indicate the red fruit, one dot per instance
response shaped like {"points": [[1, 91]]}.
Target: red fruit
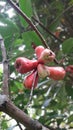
{"points": [[39, 50], [31, 80], [69, 68], [46, 56], [24, 65], [55, 73]]}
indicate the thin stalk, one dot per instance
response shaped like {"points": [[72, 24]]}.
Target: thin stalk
{"points": [[19, 11]]}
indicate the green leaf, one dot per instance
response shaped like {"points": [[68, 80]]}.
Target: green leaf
{"points": [[26, 7], [71, 2], [70, 119], [54, 25], [18, 42], [7, 27], [59, 8], [4, 124], [30, 37], [67, 45], [69, 89]]}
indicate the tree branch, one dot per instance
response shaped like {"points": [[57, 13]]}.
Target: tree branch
{"points": [[5, 89], [9, 108], [19, 126], [64, 11], [46, 29], [27, 20]]}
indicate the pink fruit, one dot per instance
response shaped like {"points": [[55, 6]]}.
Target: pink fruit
{"points": [[24, 65], [39, 50], [55, 73], [46, 56], [31, 80]]}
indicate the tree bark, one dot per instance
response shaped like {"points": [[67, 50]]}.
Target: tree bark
{"points": [[5, 88], [9, 108]]}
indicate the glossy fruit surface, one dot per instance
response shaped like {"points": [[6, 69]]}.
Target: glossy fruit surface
{"points": [[56, 73], [46, 56], [31, 80], [24, 65], [39, 50]]}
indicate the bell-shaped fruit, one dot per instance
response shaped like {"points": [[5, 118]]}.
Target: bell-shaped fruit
{"points": [[31, 80], [39, 50], [46, 56], [55, 73], [24, 65]]}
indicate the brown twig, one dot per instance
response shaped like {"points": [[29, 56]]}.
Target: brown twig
{"points": [[19, 126], [9, 108], [62, 14], [47, 30], [28, 21], [5, 89]]}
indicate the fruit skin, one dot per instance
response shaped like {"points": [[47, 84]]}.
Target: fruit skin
{"points": [[55, 73], [46, 56], [24, 65], [42, 71], [31, 80], [69, 69], [39, 50]]}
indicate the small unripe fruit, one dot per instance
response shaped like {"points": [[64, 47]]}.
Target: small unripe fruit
{"points": [[24, 65], [31, 80], [46, 56], [39, 50]]}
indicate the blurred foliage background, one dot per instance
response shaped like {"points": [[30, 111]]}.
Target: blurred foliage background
{"points": [[52, 102]]}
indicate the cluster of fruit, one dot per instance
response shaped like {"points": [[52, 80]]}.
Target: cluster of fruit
{"points": [[38, 68]]}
